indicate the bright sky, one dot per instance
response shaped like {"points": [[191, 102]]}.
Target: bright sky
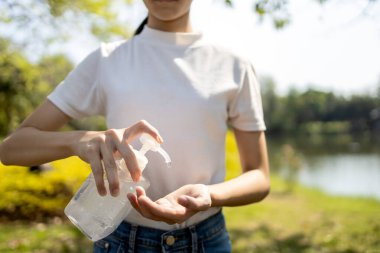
{"points": [[329, 47]]}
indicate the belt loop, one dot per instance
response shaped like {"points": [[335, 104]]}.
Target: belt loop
{"points": [[194, 239], [132, 238]]}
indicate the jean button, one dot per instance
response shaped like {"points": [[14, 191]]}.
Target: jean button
{"points": [[170, 240]]}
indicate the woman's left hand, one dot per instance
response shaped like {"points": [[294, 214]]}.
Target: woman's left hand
{"points": [[175, 207]]}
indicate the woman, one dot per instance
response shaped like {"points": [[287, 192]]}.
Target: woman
{"points": [[190, 90]]}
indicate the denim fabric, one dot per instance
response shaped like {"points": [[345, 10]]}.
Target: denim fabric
{"points": [[207, 236]]}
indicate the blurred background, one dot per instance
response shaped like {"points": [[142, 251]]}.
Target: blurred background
{"points": [[318, 62]]}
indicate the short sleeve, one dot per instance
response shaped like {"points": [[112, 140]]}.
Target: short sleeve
{"points": [[245, 109], [79, 94]]}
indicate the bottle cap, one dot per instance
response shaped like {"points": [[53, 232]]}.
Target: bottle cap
{"points": [[149, 143]]}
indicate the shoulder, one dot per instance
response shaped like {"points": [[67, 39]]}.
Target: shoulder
{"points": [[106, 53], [223, 52], [107, 49]]}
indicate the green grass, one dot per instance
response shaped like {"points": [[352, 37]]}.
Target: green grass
{"points": [[307, 221], [42, 237], [301, 220]]}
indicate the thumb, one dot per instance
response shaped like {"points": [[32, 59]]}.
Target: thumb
{"points": [[194, 203]]}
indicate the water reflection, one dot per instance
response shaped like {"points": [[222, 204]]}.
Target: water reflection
{"points": [[345, 174], [339, 165]]}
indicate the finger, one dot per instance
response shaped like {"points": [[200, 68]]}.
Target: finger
{"points": [[196, 204], [144, 211], [130, 160], [140, 191], [133, 200], [141, 127], [110, 168], [97, 171], [113, 138]]}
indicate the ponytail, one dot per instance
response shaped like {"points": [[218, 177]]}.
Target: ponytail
{"points": [[141, 26]]}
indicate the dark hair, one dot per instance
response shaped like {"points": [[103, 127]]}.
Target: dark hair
{"points": [[141, 26]]}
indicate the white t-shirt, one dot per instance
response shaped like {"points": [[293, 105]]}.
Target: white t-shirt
{"points": [[186, 87]]}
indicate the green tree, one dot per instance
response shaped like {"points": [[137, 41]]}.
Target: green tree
{"points": [[17, 77], [53, 69], [23, 85], [277, 10], [272, 104], [49, 21]]}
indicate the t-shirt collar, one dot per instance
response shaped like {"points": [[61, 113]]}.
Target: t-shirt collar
{"points": [[170, 38]]}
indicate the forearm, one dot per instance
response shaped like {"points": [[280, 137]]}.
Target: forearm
{"points": [[250, 187], [29, 146]]}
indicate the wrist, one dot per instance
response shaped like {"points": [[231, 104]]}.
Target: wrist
{"points": [[214, 196], [73, 141]]}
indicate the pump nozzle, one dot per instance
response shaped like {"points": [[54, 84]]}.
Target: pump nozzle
{"points": [[166, 156], [149, 143]]}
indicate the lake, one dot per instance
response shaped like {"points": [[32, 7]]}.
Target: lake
{"points": [[338, 165]]}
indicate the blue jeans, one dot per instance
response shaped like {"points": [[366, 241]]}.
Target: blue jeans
{"points": [[209, 235]]}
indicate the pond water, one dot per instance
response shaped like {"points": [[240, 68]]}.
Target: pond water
{"points": [[337, 165], [343, 174]]}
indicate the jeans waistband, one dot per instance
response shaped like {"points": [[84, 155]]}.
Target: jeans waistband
{"points": [[204, 228], [135, 235]]}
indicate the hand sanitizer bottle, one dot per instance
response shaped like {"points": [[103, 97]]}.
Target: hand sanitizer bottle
{"points": [[97, 216]]}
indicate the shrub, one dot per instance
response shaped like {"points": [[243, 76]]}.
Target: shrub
{"points": [[332, 127], [38, 196]]}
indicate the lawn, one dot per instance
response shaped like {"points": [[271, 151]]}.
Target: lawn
{"points": [[288, 221], [306, 221]]}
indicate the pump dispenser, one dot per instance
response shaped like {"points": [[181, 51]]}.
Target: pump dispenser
{"points": [[97, 216], [151, 144]]}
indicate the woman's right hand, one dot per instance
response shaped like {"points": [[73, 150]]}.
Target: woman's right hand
{"points": [[98, 147]]}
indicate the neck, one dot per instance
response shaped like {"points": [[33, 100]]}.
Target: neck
{"points": [[181, 24]]}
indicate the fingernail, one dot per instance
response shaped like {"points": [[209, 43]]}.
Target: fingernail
{"points": [[136, 177], [102, 192], [115, 192], [159, 138]]}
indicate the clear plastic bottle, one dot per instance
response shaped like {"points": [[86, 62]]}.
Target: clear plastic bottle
{"points": [[98, 216]]}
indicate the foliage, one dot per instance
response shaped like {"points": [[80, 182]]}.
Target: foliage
{"points": [[291, 164], [23, 85], [59, 18], [277, 10], [53, 69], [326, 128], [94, 123], [316, 112], [39, 196], [17, 79]]}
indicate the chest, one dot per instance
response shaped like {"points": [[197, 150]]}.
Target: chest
{"points": [[158, 86]]}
